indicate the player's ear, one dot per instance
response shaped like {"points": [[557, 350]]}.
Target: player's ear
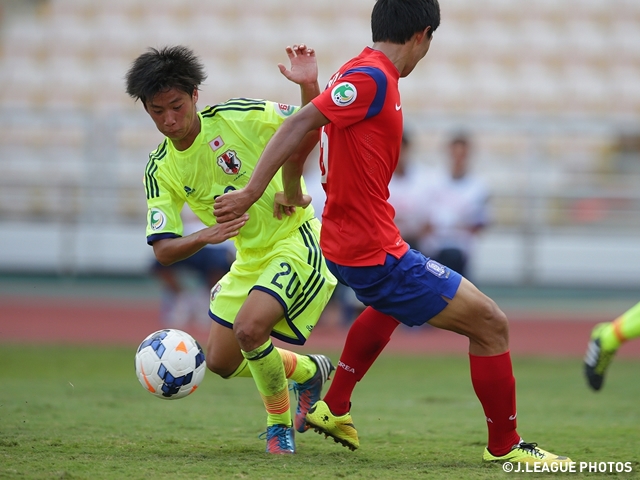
{"points": [[194, 95], [423, 35]]}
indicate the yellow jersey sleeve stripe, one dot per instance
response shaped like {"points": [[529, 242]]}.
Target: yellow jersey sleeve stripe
{"points": [[237, 104], [150, 182]]}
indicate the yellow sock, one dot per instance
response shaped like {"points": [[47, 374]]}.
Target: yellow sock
{"points": [[623, 328], [243, 370], [267, 370], [298, 368]]}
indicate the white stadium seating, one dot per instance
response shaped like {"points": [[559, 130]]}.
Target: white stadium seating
{"points": [[545, 86]]}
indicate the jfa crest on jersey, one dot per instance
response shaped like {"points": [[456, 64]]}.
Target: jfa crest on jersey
{"points": [[229, 162]]}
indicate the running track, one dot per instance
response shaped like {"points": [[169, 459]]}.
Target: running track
{"points": [[126, 322]]}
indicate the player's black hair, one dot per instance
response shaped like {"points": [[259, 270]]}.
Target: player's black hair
{"points": [[157, 71], [396, 21]]}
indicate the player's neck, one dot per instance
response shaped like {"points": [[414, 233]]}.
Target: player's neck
{"points": [[185, 142], [396, 53]]}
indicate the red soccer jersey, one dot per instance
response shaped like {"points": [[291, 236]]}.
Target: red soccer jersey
{"points": [[359, 151]]}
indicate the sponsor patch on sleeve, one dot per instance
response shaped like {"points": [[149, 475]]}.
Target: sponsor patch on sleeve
{"points": [[285, 110], [157, 219], [344, 94]]}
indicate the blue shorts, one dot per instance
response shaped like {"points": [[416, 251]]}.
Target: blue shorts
{"points": [[203, 262], [410, 288]]}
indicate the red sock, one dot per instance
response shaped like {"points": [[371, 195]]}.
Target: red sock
{"points": [[495, 386], [367, 337]]}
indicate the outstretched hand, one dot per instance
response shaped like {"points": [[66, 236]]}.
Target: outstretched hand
{"points": [[304, 66]]}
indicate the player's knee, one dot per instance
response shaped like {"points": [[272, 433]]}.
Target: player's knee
{"points": [[495, 326], [498, 319], [247, 334]]}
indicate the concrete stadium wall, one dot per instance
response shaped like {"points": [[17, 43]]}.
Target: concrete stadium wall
{"points": [[501, 257]]}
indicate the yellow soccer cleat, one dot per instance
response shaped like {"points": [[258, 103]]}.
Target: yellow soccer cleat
{"points": [[526, 453], [341, 428]]}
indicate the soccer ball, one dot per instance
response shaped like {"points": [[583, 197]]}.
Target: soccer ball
{"points": [[170, 364]]}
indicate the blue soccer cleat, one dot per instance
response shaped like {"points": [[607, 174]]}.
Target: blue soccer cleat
{"points": [[309, 392], [279, 440]]}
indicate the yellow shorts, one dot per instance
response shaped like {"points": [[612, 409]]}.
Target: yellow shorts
{"points": [[293, 271]]}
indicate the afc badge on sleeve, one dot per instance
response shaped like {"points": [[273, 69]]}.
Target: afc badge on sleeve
{"points": [[157, 219]]}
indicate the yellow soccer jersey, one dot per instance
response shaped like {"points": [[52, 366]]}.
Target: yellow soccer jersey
{"points": [[222, 158]]}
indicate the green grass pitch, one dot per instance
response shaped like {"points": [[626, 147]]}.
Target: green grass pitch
{"points": [[80, 413]]}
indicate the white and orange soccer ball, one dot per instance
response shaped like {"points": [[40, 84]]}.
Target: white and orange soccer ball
{"points": [[170, 364]]}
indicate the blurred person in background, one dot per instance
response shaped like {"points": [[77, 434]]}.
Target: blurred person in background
{"points": [[279, 283], [605, 340], [455, 210], [182, 301], [361, 122], [408, 190]]}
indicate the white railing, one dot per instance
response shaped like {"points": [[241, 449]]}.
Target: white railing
{"points": [[71, 198]]}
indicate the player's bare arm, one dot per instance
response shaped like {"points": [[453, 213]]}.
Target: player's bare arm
{"points": [[172, 250], [281, 146], [286, 202], [303, 71]]}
